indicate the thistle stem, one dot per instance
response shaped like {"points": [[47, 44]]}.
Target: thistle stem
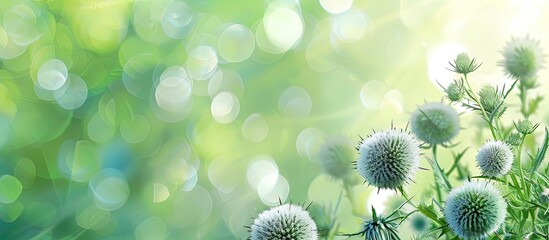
{"points": [[484, 114], [519, 163], [351, 196], [523, 100], [437, 186]]}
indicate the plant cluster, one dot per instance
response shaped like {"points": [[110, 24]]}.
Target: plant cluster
{"points": [[508, 200]]}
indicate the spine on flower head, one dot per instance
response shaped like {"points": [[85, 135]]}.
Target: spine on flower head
{"points": [[286, 221], [388, 159], [495, 158], [475, 210]]}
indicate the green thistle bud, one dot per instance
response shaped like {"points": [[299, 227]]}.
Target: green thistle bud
{"points": [[514, 139], [464, 64], [455, 91], [284, 222], [379, 227], [435, 123], [388, 159], [489, 98], [544, 196], [525, 127], [495, 159], [475, 210], [336, 155], [522, 58]]}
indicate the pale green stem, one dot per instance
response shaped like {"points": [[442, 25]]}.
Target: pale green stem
{"points": [[484, 114], [351, 196]]}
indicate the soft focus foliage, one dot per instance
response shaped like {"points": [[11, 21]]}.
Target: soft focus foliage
{"points": [[177, 119]]}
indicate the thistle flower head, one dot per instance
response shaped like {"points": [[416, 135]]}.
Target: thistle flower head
{"points": [[544, 196], [464, 64], [388, 159], [514, 139], [435, 123], [475, 210], [525, 126], [455, 91], [495, 158], [287, 221], [489, 98], [379, 229], [336, 155], [522, 58]]}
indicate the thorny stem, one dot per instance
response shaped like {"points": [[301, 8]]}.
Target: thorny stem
{"points": [[437, 186], [484, 114]]}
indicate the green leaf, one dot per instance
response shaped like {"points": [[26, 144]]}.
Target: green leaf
{"points": [[374, 215], [440, 175], [534, 104], [428, 211], [541, 152]]}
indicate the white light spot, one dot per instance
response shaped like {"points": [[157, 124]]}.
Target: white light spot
{"points": [[438, 58], [52, 74], [72, 94], [225, 107], [295, 102], [160, 193], [255, 128], [174, 90], [350, 26], [336, 6], [372, 94], [283, 26], [275, 194], [177, 20], [109, 189], [236, 43], [261, 167], [220, 176], [202, 62]]}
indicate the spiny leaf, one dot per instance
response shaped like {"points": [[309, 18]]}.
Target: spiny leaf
{"points": [[440, 175], [541, 152]]}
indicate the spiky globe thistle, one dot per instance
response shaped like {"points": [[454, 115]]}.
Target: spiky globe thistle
{"points": [[286, 221], [522, 58], [489, 98], [455, 91], [388, 159], [495, 158], [464, 64], [544, 196], [475, 210], [435, 123], [336, 155]]}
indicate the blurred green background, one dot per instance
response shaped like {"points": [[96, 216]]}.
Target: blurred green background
{"points": [[163, 119]]}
